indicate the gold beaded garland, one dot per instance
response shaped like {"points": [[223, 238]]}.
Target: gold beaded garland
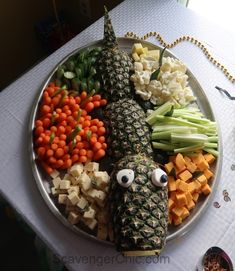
{"points": [[185, 38]]}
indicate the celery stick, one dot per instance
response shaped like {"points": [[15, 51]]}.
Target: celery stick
{"points": [[174, 128], [161, 135], [162, 110], [195, 119], [189, 138], [189, 149], [162, 146], [213, 139], [179, 122], [212, 151], [211, 145]]}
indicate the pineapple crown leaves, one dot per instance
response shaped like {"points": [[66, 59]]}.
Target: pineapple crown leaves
{"points": [[110, 40]]}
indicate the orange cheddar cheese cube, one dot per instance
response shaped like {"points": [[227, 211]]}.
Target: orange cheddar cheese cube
{"points": [[191, 167], [190, 205], [197, 185], [185, 213], [202, 179], [210, 158], [171, 183], [198, 158], [182, 186], [195, 196], [178, 211], [173, 195], [168, 167], [180, 162], [185, 175], [209, 174], [181, 199], [177, 182], [187, 159], [188, 196], [177, 220], [191, 187], [203, 165], [171, 203], [206, 189]]}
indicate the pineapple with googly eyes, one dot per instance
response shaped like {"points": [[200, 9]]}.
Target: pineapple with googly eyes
{"points": [[138, 187], [138, 205]]}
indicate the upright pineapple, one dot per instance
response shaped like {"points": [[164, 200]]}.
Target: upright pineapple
{"points": [[114, 65], [138, 190]]}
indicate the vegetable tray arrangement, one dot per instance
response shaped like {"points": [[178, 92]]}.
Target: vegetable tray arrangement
{"points": [[124, 145]]}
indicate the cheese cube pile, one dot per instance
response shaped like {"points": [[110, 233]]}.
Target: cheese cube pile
{"points": [[83, 191], [188, 178], [171, 84]]}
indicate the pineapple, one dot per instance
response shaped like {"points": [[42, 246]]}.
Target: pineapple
{"points": [[127, 131], [138, 192], [139, 212], [114, 65]]}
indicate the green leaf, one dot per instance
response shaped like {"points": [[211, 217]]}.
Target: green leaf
{"points": [[155, 74]]}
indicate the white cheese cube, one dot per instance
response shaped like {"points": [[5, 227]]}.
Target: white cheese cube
{"points": [[54, 191], [91, 166], [62, 199], [136, 57], [100, 197], [90, 213], [153, 53], [138, 66], [102, 232], [82, 203], [92, 193], [74, 180], [65, 184], [73, 198], [91, 223], [73, 218], [66, 176], [76, 170], [54, 174], [74, 189], [85, 181], [102, 179], [137, 48], [56, 182]]}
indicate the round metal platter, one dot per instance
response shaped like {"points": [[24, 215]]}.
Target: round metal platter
{"points": [[43, 180]]}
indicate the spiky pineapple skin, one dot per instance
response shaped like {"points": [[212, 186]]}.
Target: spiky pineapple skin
{"points": [[139, 212], [114, 66], [127, 131]]}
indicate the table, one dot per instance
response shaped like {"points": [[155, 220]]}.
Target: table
{"points": [[17, 185]]}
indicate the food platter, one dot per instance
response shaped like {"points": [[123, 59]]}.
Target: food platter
{"points": [[42, 179]]}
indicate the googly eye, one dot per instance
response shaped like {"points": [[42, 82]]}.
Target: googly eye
{"points": [[125, 177], [159, 177]]}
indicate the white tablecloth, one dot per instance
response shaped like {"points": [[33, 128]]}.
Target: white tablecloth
{"points": [[17, 185]]}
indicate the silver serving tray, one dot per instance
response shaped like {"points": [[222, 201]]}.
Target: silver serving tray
{"points": [[42, 179]]}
